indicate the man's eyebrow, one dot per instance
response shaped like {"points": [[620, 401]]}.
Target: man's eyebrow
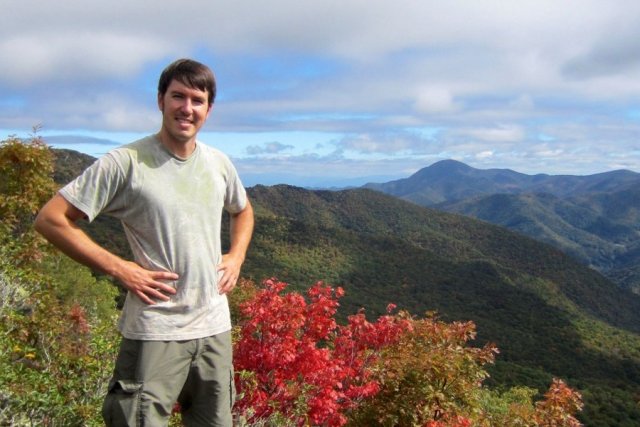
{"points": [[184, 93]]}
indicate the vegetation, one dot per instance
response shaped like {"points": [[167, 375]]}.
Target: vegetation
{"points": [[26, 184], [57, 335], [599, 230], [549, 316]]}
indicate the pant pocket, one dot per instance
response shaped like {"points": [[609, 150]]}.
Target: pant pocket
{"points": [[232, 388], [122, 404]]}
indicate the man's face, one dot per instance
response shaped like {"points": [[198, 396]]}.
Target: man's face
{"points": [[184, 111]]}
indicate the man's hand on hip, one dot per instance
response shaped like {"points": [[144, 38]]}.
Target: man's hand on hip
{"points": [[228, 273], [146, 284]]}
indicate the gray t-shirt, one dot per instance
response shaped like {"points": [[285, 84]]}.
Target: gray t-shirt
{"points": [[171, 211]]}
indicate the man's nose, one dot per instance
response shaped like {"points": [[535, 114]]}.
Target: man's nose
{"points": [[186, 105]]}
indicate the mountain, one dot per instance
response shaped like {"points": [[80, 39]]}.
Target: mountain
{"points": [[451, 180], [594, 218], [548, 314], [69, 163]]}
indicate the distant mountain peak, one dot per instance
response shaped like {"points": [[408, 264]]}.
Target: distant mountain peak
{"points": [[443, 167], [450, 163], [451, 180]]}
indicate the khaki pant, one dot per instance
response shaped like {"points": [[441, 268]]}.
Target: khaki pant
{"points": [[151, 376]]}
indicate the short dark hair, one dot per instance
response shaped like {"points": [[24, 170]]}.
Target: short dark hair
{"points": [[191, 73]]}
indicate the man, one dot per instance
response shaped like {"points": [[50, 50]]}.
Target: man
{"points": [[169, 191]]}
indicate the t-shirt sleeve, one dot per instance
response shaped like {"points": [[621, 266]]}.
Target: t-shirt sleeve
{"points": [[97, 189], [236, 195]]}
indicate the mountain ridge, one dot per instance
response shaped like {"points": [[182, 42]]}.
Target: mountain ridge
{"points": [[447, 179], [593, 217]]}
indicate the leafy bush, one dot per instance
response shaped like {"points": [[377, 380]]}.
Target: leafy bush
{"points": [[26, 169], [430, 374], [297, 364], [57, 329]]}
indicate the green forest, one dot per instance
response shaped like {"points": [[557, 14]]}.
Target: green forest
{"points": [[551, 318]]}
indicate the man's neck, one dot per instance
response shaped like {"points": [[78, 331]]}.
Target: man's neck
{"points": [[180, 149]]}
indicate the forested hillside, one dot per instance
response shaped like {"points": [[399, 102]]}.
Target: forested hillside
{"points": [[548, 314], [601, 230]]}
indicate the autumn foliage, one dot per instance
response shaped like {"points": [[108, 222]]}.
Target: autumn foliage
{"points": [[297, 366], [559, 406], [57, 321], [26, 184], [302, 364], [431, 376]]}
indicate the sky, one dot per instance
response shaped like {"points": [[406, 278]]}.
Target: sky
{"points": [[336, 93]]}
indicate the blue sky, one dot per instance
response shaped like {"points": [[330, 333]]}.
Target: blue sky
{"points": [[339, 93]]}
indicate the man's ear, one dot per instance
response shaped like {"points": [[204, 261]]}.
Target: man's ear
{"points": [[160, 102]]}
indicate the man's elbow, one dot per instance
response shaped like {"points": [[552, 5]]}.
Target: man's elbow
{"points": [[54, 214], [41, 222]]}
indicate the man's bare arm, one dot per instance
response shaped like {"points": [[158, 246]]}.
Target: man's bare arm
{"points": [[241, 229], [56, 221]]}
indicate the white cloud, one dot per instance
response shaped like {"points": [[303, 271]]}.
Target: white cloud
{"points": [[523, 102], [389, 143], [498, 134], [484, 154], [76, 57], [434, 100], [268, 148], [121, 118]]}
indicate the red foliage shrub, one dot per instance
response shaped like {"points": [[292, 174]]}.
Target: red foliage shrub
{"points": [[304, 365]]}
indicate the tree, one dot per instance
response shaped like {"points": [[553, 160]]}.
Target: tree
{"points": [[26, 168]]}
